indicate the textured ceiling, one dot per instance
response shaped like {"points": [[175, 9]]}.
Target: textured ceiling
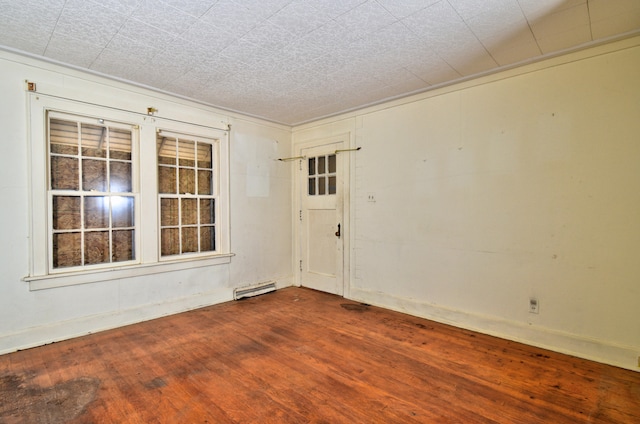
{"points": [[293, 61]]}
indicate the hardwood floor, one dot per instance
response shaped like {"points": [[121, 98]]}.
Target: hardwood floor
{"points": [[301, 356]]}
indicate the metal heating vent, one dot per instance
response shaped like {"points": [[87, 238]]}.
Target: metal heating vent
{"points": [[254, 290]]}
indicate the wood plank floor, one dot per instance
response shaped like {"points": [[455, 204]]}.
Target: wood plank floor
{"points": [[301, 356]]}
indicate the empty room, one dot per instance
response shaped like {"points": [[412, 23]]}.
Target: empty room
{"points": [[322, 211]]}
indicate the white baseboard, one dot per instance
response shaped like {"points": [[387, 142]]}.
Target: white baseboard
{"points": [[55, 332], [571, 344]]}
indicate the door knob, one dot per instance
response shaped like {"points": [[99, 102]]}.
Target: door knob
{"points": [[338, 232]]}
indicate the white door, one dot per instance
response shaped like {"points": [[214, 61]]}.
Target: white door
{"points": [[321, 227]]}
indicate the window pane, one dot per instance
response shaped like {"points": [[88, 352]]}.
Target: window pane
{"points": [[189, 239], [322, 165], [96, 247], [332, 164], [94, 175], [96, 212], [94, 141], [312, 166], [123, 245], [204, 155], [120, 173], [186, 152], [63, 137], [122, 211], [189, 211], [170, 241], [168, 212], [204, 182], [66, 250], [322, 185], [66, 213], [187, 180], [64, 173], [166, 150], [119, 144], [167, 179], [207, 211], [332, 185], [312, 186], [207, 239]]}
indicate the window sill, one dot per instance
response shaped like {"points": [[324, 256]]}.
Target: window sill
{"points": [[84, 277]]}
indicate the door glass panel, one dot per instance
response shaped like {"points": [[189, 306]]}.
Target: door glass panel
{"points": [[322, 185], [321, 165], [312, 186], [312, 166], [332, 164], [332, 185]]}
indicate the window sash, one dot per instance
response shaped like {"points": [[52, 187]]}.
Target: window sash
{"points": [[184, 161], [86, 233]]}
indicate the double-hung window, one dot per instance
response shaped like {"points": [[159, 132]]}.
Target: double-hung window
{"points": [[187, 193], [92, 198], [117, 194]]}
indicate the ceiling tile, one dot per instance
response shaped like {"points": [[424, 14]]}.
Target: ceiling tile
{"points": [[612, 17], [245, 51], [88, 21], [366, 19], [495, 9], [299, 18], [562, 29], [233, 18], [70, 50], [195, 8], [334, 8], [512, 46], [145, 34], [213, 37], [537, 9], [402, 9], [434, 70], [263, 8], [31, 18], [564, 40], [162, 16], [125, 7], [117, 63], [269, 36]]}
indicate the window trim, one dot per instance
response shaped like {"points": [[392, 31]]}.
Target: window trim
{"points": [[147, 261]]}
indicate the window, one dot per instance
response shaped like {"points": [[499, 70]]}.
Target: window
{"points": [[91, 191], [322, 175], [117, 194], [187, 194]]}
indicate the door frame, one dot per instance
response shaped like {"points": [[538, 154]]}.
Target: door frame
{"points": [[346, 232]]}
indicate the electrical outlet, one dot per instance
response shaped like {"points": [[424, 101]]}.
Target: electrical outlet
{"points": [[534, 306], [371, 197]]}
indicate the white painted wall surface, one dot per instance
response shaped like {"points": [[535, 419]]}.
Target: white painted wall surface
{"points": [[260, 216], [516, 185]]}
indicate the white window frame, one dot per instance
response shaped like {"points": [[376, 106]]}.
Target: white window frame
{"points": [[215, 151], [135, 140], [147, 261]]}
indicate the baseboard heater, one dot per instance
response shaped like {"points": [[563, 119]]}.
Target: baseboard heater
{"points": [[255, 290]]}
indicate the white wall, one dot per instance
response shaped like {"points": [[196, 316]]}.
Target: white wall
{"points": [[521, 184], [260, 216]]}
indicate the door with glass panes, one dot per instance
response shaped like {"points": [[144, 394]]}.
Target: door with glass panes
{"points": [[321, 227]]}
